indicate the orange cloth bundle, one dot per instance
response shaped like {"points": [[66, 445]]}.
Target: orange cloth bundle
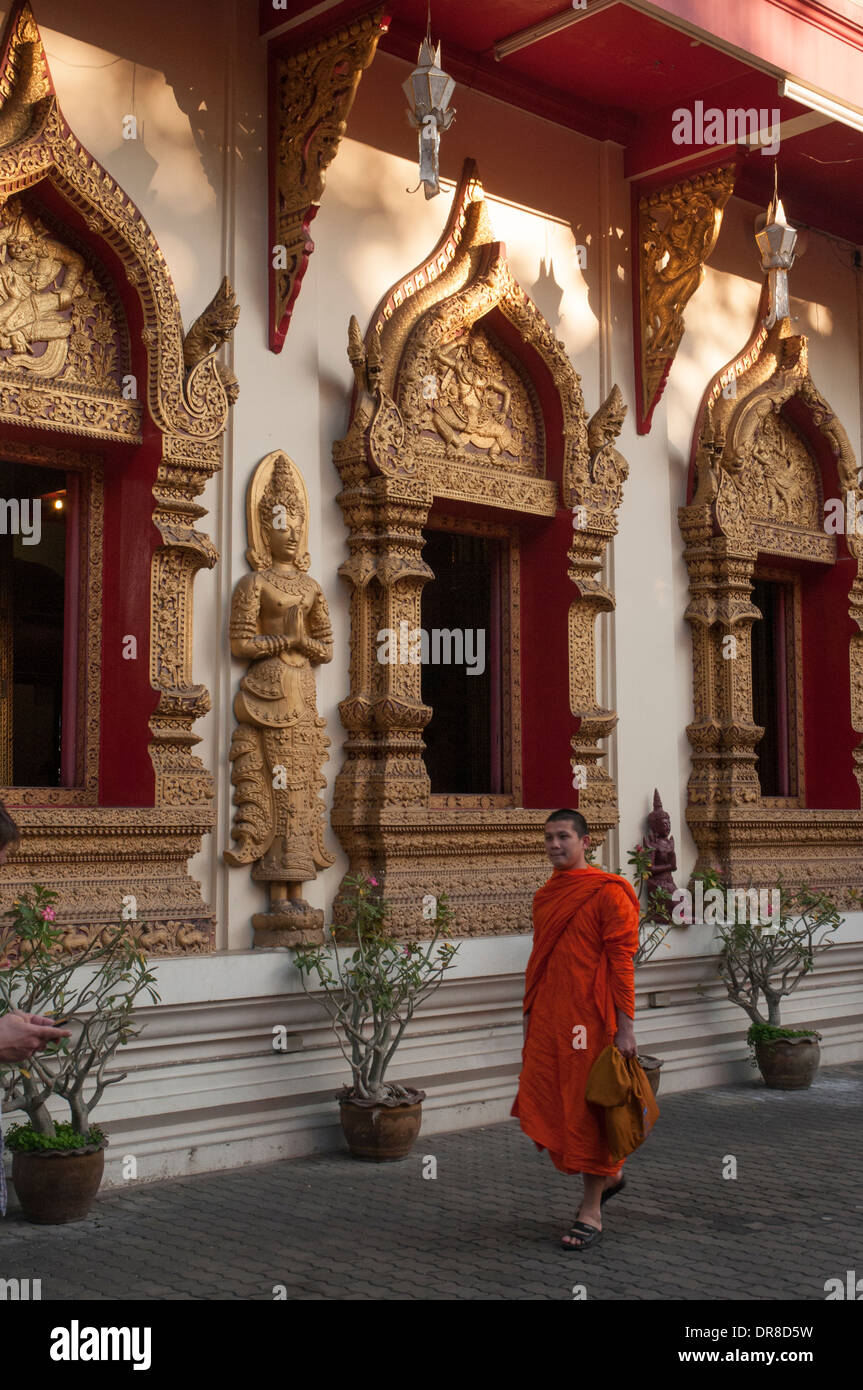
{"points": [[619, 1085]]}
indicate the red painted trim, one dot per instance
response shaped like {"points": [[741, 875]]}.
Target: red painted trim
{"points": [[314, 27], [69, 760], [126, 775], [827, 631], [547, 725]]}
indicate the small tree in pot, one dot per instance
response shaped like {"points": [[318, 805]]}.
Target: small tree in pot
{"points": [[768, 961], [93, 991], [371, 999]]}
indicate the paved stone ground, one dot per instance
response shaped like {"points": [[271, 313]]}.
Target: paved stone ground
{"points": [[488, 1226]]}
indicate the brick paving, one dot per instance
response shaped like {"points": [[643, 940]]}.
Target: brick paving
{"points": [[488, 1226]]}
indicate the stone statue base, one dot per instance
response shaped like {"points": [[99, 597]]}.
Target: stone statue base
{"points": [[295, 925]]}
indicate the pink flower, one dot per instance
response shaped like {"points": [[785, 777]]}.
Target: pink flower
{"points": [[373, 882], [48, 914]]}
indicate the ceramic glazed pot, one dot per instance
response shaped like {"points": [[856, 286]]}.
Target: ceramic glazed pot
{"points": [[651, 1066], [57, 1187], [788, 1064], [380, 1133]]}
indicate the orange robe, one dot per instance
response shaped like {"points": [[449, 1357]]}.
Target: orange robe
{"points": [[580, 972]]}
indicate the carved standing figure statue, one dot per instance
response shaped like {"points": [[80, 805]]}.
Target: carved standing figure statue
{"points": [[280, 624], [660, 842]]}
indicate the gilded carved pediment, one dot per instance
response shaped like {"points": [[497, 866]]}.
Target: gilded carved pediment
{"points": [[64, 343], [761, 425], [443, 392], [462, 398]]}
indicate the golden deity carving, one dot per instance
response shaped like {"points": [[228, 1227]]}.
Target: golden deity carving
{"points": [[39, 281], [466, 401], [781, 474], [472, 407], [280, 624]]}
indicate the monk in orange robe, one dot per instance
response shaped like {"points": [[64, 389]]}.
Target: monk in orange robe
{"points": [[579, 998]]}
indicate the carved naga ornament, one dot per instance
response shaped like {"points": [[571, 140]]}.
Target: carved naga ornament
{"points": [[677, 230], [313, 89], [447, 410], [280, 624]]}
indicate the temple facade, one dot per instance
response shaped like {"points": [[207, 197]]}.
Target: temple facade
{"points": [[370, 491]]}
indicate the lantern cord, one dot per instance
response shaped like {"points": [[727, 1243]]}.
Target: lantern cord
{"points": [[428, 24]]}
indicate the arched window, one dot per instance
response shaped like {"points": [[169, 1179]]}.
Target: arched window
{"points": [[776, 611], [467, 453]]}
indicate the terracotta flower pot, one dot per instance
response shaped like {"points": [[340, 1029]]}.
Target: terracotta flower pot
{"points": [[56, 1187], [788, 1064], [380, 1133], [651, 1066]]}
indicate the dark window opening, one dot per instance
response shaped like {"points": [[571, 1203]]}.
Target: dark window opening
{"points": [[461, 679], [34, 595], [773, 686]]}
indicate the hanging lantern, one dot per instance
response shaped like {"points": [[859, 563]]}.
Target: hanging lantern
{"points": [[429, 89], [776, 240]]}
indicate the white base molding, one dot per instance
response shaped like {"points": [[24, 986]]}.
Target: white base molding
{"points": [[206, 1091]]}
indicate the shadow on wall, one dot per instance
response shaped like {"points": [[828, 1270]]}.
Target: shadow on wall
{"points": [[188, 44]]}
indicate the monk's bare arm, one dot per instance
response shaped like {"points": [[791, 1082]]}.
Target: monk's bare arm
{"points": [[620, 942], [624, 1038], [524, 1022]]}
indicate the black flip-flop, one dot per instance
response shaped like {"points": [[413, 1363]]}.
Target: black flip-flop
{"points": [[580, 1228], [612, 1192]]}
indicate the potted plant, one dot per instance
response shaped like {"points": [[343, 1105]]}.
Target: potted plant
{"points": [[371, 999], [57, 1167], [770, 960]]}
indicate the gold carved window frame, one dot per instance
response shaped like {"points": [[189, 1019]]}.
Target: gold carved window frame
{"points": [[488, 858], [510, 640], [794, 676], [89, 654], [87, 851], [745, 837]]}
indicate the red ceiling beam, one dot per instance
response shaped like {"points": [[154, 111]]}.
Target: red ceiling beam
{"points": [[816, 42], [483, 74]]}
